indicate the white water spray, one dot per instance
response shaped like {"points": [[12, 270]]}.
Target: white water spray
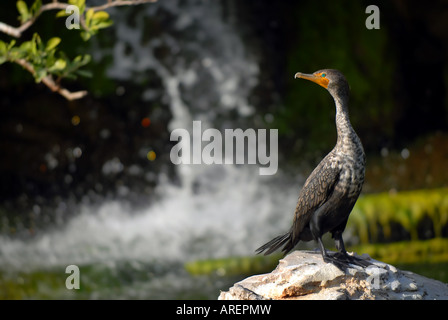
{"points": [[218, 210]]}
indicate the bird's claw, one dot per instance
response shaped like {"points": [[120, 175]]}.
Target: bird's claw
{"points": [[343, 260]]}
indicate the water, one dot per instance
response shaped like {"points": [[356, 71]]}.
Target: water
{"points": [[213, 211], [150, 246]]}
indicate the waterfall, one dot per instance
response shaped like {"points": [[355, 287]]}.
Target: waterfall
{"points": [[215, 211]]}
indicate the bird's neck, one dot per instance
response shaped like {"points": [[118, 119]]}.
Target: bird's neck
{"points": [[346, 133]]}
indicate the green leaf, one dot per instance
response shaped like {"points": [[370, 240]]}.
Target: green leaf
{"points": [[100, 20], [11, 44], [26, 47], [100, 15], [35, 7], [85, 73], [62, 13], [36, 43], [85, 35], [3, 52], [104, 24], [85, 59], [3, 48], [40, 74], [36, 38], [70, 76], [78, 3], [23, 10], [80, 61], [52, 43], [81, 4], [14, 54], [60, 64], [89, 16]]}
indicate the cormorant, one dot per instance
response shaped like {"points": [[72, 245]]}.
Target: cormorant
{"points": [[330, 192]]}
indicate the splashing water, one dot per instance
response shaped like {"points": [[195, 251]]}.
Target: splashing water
{"points": [[217, 210]]}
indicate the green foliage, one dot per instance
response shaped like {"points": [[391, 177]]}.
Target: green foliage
{"points": [[94, 22], [44, 58], [371, 213], [23, 10], [28, 13], [407, 209], [48, 59], [34, 285], [81, 4], [233, 265], [406, 252]]}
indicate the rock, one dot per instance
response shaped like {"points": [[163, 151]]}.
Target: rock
{"points": [[304, 275]]}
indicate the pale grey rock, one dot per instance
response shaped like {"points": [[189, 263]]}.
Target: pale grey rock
{"points": [[304, 275]]}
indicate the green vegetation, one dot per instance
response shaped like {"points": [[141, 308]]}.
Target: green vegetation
{"points": [[46, 61], [374, 218], [34, 285], [407, 252], [42, 59], [233, 265], [428, 258], [376, 215], [408, 255]]}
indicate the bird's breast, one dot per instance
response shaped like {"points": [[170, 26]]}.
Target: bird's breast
{"points": [[351, 177]]}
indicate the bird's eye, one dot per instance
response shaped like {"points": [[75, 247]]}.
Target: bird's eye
{"points": [[323, 75]]}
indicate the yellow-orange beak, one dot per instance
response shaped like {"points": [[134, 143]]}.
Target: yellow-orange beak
{"points": [[320, 78]]}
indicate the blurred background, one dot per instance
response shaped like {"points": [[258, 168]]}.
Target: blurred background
{"points": [[90, 182]]}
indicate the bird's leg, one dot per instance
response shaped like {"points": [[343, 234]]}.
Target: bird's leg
{"points": [[339, 242], [342, 255], [339, 263], [317, 234], [323, 251], [342, 265]]}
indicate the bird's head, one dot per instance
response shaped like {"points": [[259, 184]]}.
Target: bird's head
{"points": [[331, 79]]}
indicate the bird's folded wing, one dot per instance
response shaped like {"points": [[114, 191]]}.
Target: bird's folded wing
{"points": [[317, 189]]}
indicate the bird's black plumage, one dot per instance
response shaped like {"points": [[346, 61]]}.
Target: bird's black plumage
{"points": [[330, 192]]}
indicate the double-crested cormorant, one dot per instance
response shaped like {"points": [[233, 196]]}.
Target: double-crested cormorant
{"points": [[330, 192]]}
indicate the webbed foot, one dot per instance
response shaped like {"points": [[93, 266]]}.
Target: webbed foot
{"points": [[343, 261]]}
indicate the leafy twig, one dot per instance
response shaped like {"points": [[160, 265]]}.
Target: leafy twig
{"points": [[50, 83], [17, 32], [40, 60]]}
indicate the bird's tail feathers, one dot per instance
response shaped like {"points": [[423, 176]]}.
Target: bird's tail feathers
{"points": [[283, 240]]}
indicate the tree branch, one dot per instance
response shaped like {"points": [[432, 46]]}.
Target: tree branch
{"points": [[117, 3], [50, 83], [55, 5], [10, 31]]}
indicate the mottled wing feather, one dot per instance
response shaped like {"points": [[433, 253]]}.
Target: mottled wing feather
{"points": [[317, 189]]}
